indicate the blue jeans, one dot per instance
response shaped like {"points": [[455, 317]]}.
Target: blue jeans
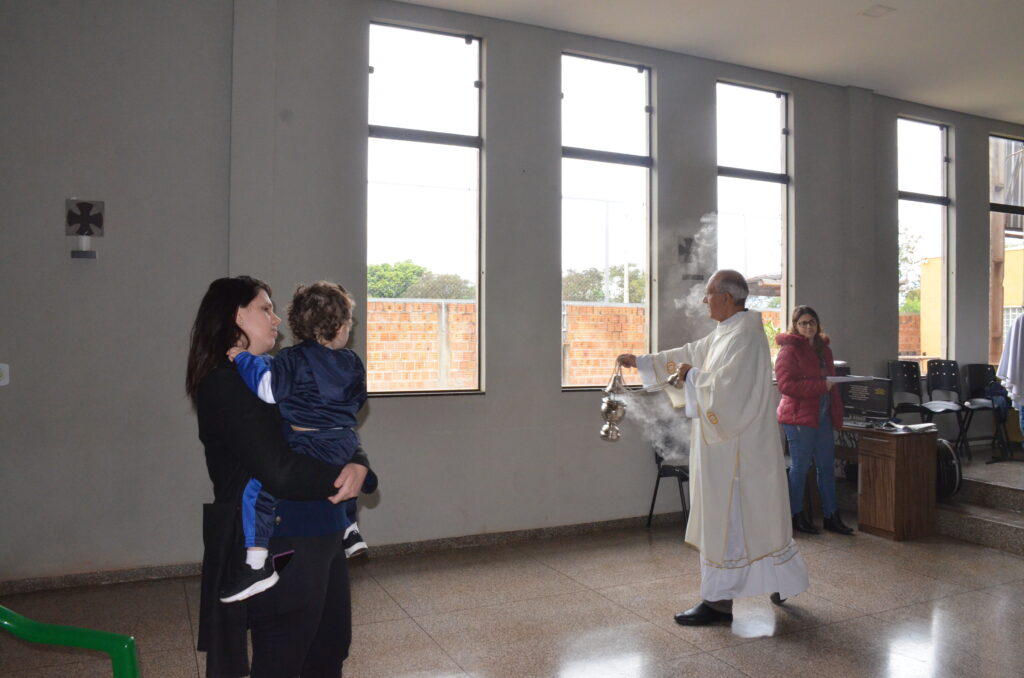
{"points": [[806, 443]]}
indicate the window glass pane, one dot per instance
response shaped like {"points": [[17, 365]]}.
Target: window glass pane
{"points": [[922, 281], [921, 149], [750, 123], [423, 263], [604, 106], [604, 268], [424, 81], [1006, 279], [1006, 171], [750, 240]]}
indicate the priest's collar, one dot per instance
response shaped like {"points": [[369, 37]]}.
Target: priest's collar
{"points": [[735, 316]]}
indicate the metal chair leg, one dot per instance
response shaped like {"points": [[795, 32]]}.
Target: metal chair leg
{"points": [[657, 481], [962, 438], [682, 499], [962, 441]]}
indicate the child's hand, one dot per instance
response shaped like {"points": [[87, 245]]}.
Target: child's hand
{"points": [[232, 352]]}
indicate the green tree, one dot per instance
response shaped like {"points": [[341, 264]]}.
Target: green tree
{"points": [[441, 286], [585, 285], [591, 285], [387, 281], [910, 269], [911, 301]]}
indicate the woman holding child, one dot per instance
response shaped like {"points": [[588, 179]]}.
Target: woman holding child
{"points": [[301, 626]]}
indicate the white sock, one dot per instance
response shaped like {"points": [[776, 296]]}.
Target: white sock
{"points": [[255, 557]]}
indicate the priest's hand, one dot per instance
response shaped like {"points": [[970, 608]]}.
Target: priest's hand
{"points": [[626, 360], [683, 369]]}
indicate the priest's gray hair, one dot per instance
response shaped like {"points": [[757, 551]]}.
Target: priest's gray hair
{"points": [[732, 283]]}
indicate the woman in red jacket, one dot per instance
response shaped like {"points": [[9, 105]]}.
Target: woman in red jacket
{"points": [[810, 409]]}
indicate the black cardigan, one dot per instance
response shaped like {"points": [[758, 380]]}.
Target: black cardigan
{"points": [[243, 438]]}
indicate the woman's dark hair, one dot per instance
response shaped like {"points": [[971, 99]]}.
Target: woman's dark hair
{"points": [[819, 337], [318, 311], [214, 330]]}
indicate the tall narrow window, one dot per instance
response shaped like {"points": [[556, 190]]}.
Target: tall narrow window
{"points": [[423, 212], [753, 178], [1006, 222], [923, 201], [606, 165]]}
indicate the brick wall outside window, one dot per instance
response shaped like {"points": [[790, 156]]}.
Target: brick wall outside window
{"points": [[431, 344]]}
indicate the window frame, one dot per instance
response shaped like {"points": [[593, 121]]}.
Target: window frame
{"points": [[629, 159], [946, 202], [446, 139], [1000, 208], [784, 179]]}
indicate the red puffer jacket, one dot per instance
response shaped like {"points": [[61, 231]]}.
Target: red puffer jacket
{"points": [[798, 373]]}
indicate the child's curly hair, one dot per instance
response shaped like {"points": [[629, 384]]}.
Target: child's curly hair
{"points": [[318, 311]]}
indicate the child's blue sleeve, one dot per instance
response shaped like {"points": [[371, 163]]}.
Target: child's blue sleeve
{"points": [[255, 371]]}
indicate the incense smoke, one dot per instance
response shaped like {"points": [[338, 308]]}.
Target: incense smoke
{"points": [[697, 261], [664, 427]]}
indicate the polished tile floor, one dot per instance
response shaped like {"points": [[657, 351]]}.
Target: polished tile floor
{"points": [[1007, 473], [600, 606]]}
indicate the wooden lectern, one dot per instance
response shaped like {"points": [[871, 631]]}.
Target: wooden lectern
{"points": [[896, 482]]}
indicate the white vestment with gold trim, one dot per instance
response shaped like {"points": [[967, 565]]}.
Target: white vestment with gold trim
{"points": [[739, 513]]}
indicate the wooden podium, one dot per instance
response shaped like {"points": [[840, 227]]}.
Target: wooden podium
{"points": [[896, 483]]}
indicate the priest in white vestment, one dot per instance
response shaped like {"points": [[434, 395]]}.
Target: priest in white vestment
{"points": [[739, 516], [1011, 364]]}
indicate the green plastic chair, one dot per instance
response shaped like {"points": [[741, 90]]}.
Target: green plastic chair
{"points": [[120, 648]]}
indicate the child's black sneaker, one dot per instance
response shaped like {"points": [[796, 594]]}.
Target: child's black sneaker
{"points": [[248, 582], [353, 542]]}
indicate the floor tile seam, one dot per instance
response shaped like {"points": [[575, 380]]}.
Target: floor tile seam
{"points": [[599, 589], [993, 594], [711, 653], [192, 630], [800, 629], [88, 654], [386, 592], [84, 659], [953, 646], [910, 572], [539, 557], [915, 603], [440, 647], [655, 625], [498, 604], [554, 569]]}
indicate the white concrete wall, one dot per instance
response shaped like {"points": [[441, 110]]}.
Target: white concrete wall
{"points": [[231, 138], [129, 103]]}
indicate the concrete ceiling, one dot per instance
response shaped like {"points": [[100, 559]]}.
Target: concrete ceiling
{"points": [[963, 55]]}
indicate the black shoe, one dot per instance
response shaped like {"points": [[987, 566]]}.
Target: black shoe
{"points": [[834, 523], [703, 614], [801, 524], [248, 582], [776, 599], [353, 542]]}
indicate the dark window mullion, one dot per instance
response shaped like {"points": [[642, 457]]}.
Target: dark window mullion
{"points": [[1006, 209], [756, 175], [424, 136], [607, 156], [925, 197]]}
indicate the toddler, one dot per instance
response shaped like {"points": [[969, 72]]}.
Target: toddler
{"points": [[319, 386]]}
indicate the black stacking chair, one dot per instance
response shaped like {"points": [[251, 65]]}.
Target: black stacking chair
{"points": [[943, 383], [905, 376], [977, 376], [682, 475]]}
